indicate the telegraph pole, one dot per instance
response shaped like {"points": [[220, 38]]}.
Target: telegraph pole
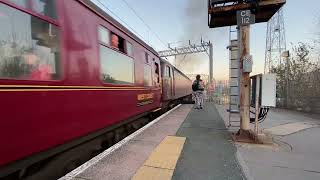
{"points": [[286, 55]]}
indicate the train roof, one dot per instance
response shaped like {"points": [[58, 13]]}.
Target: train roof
{"points": [[96, 9]]}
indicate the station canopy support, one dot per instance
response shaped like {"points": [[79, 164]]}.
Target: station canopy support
{"points": [[243, 13], [223, 12]]}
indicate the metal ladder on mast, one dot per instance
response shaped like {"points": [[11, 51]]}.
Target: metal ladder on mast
{"points": [[234, 78]]}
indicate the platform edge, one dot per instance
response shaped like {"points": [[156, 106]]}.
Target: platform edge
{"points": [[108, 151]]}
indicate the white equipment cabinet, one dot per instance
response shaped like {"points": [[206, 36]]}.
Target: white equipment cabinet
{"points": [[268, 91]]}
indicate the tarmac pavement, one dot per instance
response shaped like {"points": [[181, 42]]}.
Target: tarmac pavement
{"points": [[208, 153], [295, 153]]}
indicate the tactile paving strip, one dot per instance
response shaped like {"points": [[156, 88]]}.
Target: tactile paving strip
{"points": [[162, 161]]}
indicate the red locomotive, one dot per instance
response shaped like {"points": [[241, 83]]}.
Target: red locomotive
{"points": [[69, 73]]}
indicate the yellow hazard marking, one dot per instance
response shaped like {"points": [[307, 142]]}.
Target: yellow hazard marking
{"points": [[162, 161], [152, 173]]}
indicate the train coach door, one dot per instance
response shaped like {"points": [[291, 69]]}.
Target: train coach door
{"points": [[167, 83], [173, 83]]}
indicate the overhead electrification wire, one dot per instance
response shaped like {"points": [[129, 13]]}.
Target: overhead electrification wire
{"points": [[142, 20], [120, 19]]}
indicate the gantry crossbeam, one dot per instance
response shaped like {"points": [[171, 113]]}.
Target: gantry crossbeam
{"points": [[191, 49]]}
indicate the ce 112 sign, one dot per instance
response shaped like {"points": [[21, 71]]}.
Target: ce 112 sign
{"points": [[244, 17]]}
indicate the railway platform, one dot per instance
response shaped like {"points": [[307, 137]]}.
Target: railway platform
{"points": [[184, 143]]}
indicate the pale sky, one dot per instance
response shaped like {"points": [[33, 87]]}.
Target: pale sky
{"points": [[180, 20]]}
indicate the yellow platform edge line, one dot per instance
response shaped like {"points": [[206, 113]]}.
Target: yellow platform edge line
{"points": [[162, 161]]}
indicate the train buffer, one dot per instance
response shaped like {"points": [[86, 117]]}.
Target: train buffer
{"points": [[185, 143]]}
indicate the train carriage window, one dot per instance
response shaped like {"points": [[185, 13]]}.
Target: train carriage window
{"points": [[147, 75], [146, 57], [156, 73], [29, 46], [114, 41], [104, 35], [129, 48], [167, 71], [22, 3], [43, 7], [117, 42], [116, 68]]}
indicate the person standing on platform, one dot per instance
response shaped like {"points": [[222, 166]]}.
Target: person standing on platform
{"points": [[198, 88]]}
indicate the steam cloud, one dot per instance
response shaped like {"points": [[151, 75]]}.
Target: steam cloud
{"points": [[196, 26]]}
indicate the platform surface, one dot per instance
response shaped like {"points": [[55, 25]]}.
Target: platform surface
{"points": [[208, 152], [124, 162], [186, 144], [294, 155]]}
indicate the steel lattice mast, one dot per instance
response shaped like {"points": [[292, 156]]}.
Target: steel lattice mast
{"points": [[275, 42]]}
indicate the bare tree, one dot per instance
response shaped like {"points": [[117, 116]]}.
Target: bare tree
{"points": [[303, 77]]}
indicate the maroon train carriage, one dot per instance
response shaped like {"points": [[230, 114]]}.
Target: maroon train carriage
{"points": [[69, 75], [176, 85]]}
